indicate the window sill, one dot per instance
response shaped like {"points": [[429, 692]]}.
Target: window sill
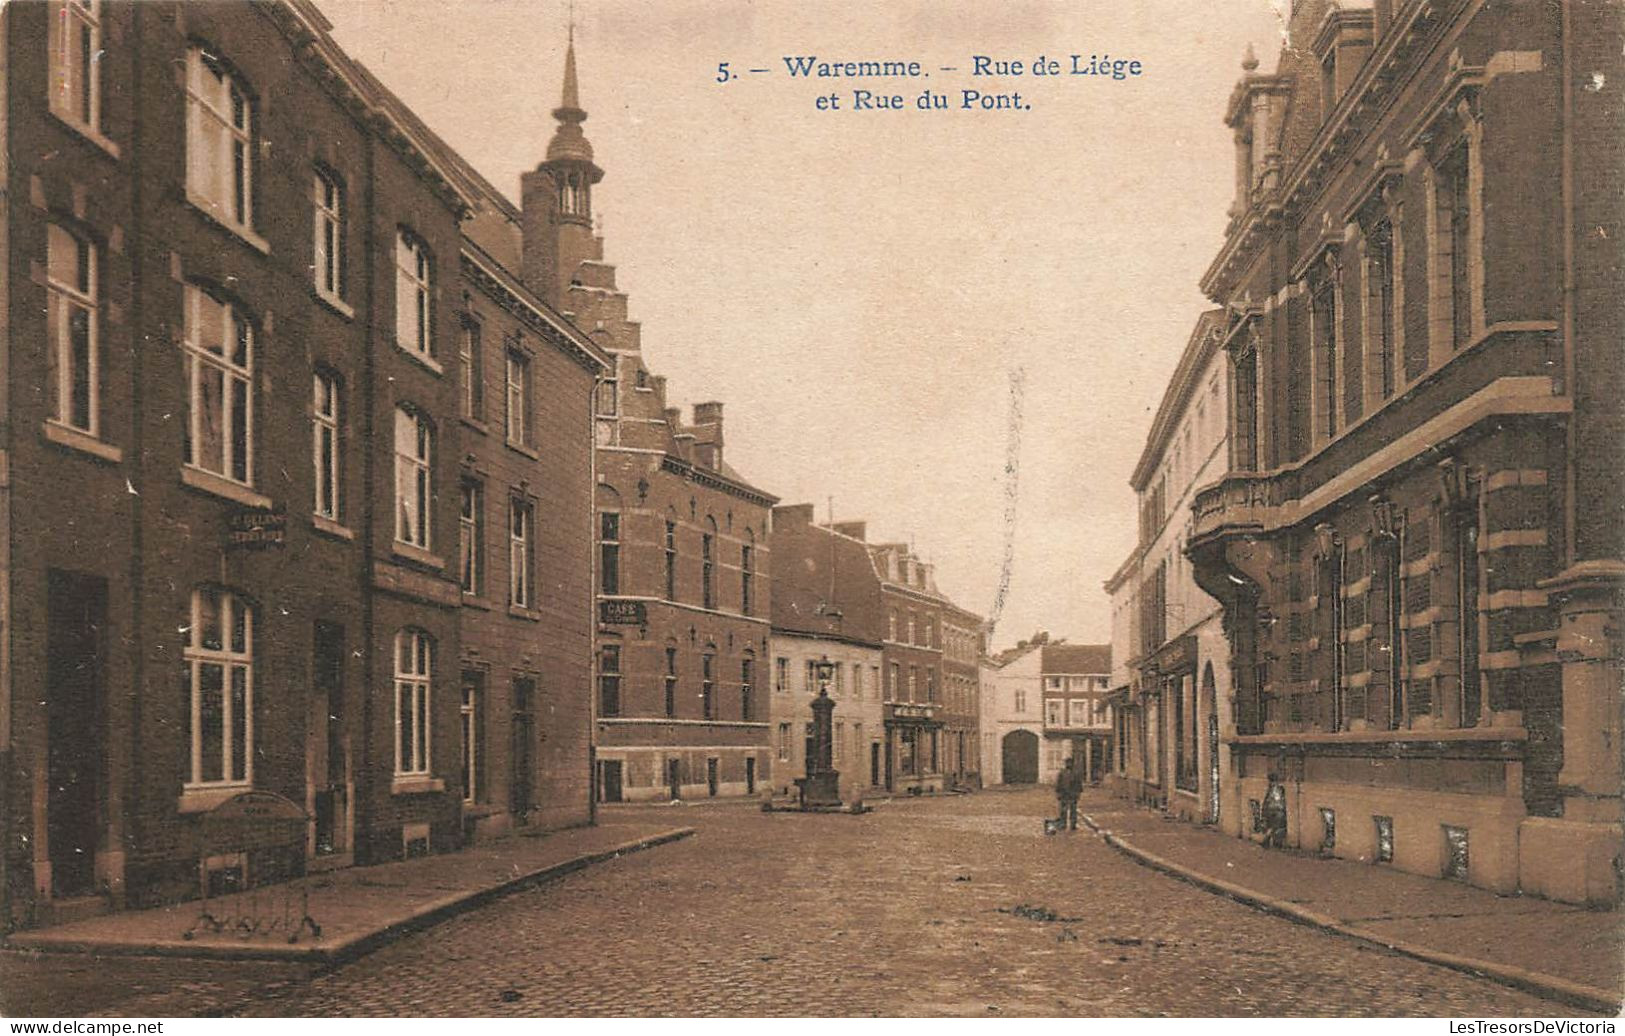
{"points": [[519, 447], [418, 555], [334, 303], [89, 133], [416, 784], [218, 485], [521, 612], [200, 798], [82, 441], [426, 362], [209, 211], [476, 601], [476, 424], [323, 524]]}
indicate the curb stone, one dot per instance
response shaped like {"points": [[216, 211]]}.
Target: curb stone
{"points": [[362, 943], [1591, 998]]}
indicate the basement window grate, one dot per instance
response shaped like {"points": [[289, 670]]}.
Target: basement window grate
{"points": [[1385, 839], [1455, 857], [1328, 829]]}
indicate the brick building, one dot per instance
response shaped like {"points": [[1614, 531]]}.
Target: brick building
{"points": [[1172, 684], [826, 607], [911, 668], [682, 632], [963, 642], [246, 261], [1418, 552], [1076, 679]]}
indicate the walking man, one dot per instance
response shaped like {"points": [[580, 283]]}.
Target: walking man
{"points": [[1068, 785]]}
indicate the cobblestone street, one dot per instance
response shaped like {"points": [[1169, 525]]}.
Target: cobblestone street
{"points": [[952, 906]]}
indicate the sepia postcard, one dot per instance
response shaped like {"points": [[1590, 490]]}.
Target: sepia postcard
{"points": [[738, 508]]}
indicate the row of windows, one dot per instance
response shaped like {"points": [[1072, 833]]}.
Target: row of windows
{"points": [[218, 675], [610, 574], [1074, 712], [472, 561], [922, 634], [610, 676]]}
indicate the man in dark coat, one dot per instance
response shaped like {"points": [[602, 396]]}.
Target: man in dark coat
{"points": [[1068, 786]]}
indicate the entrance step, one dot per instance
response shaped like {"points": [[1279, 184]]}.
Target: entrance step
{"points": [[75, 908]]}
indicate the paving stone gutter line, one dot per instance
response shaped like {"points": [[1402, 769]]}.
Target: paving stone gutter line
{"points": [[362, 943], [1579, 994]]}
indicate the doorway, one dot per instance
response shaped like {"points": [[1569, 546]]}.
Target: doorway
{"points": [[76, 615], [674, 779], [874, 764], [711, 777], [520, 799], [750, 775], [330, 779], [609, 780], [1020, 757]]}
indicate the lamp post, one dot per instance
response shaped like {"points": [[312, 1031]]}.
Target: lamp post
{"points": [[821, 786]]}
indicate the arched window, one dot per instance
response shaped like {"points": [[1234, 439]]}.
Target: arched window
{"points": [[414, 663], [219, 663], [219, 357], [219, 141], [414, 276], [414, 449]]}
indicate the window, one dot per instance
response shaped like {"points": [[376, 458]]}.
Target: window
{"points": [[1052, 712], [892, 685], [1454, 199], [707, 571], [471, 361], [609, 552], [671, 560], [747, 574], [1184, 701], [911, 639], [219, 141], [469, 716], [671, 681], [325, 444], [414, 441], [609, 680], [747, 683], [518, 381], [219, 357], [784, 742], [328, 198], [891, 626], [412, 281], [1021, 700], [708, 664], [857, 680], [607, 397], [1380, 283], [781, 674], [413, 664], [75, 46], [521, 589], [836, 741], [72, 354], [930, 684], [219, 673], [471, 538], [1323, 319], [913, 679]]}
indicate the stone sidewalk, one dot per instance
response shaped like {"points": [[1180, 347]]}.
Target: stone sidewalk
{"points": [[1536, 944], [358, 908]]}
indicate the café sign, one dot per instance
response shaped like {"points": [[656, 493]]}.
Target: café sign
{"points": [[622, 613]]}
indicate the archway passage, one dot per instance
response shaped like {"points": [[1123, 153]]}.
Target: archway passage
{"points": [[1020, 757]]}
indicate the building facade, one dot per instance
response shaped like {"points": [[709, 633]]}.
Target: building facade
{"points": [[256, 588], [1077, 724], [912, 669], [1012, 714], [1172, 700], [683, 574], [963, 643], [826, 608], [1418, 550]]}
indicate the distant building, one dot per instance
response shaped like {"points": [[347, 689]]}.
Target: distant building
{"points": [[1172, 700], [826, 608], [1077, 724], [1012, 714], [963, 642], [682, 560]]}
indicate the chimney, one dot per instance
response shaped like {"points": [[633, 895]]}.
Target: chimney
{"points": [[674, 417], [792, 516], [708, 433], [856, 530], [539, 260]]}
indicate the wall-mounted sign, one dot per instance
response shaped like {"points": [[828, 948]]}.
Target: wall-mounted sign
{"points": [[622, 613], [253, 528]]}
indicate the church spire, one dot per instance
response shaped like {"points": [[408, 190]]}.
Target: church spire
{"points": [[569, 143]]}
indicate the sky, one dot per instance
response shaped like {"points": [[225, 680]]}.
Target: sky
{"points": [[885, 300]]}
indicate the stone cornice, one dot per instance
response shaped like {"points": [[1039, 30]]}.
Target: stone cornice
{"points": [[556, 331]]}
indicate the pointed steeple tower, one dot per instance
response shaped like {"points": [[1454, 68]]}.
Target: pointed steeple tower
{"points": [[557, 196]]}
